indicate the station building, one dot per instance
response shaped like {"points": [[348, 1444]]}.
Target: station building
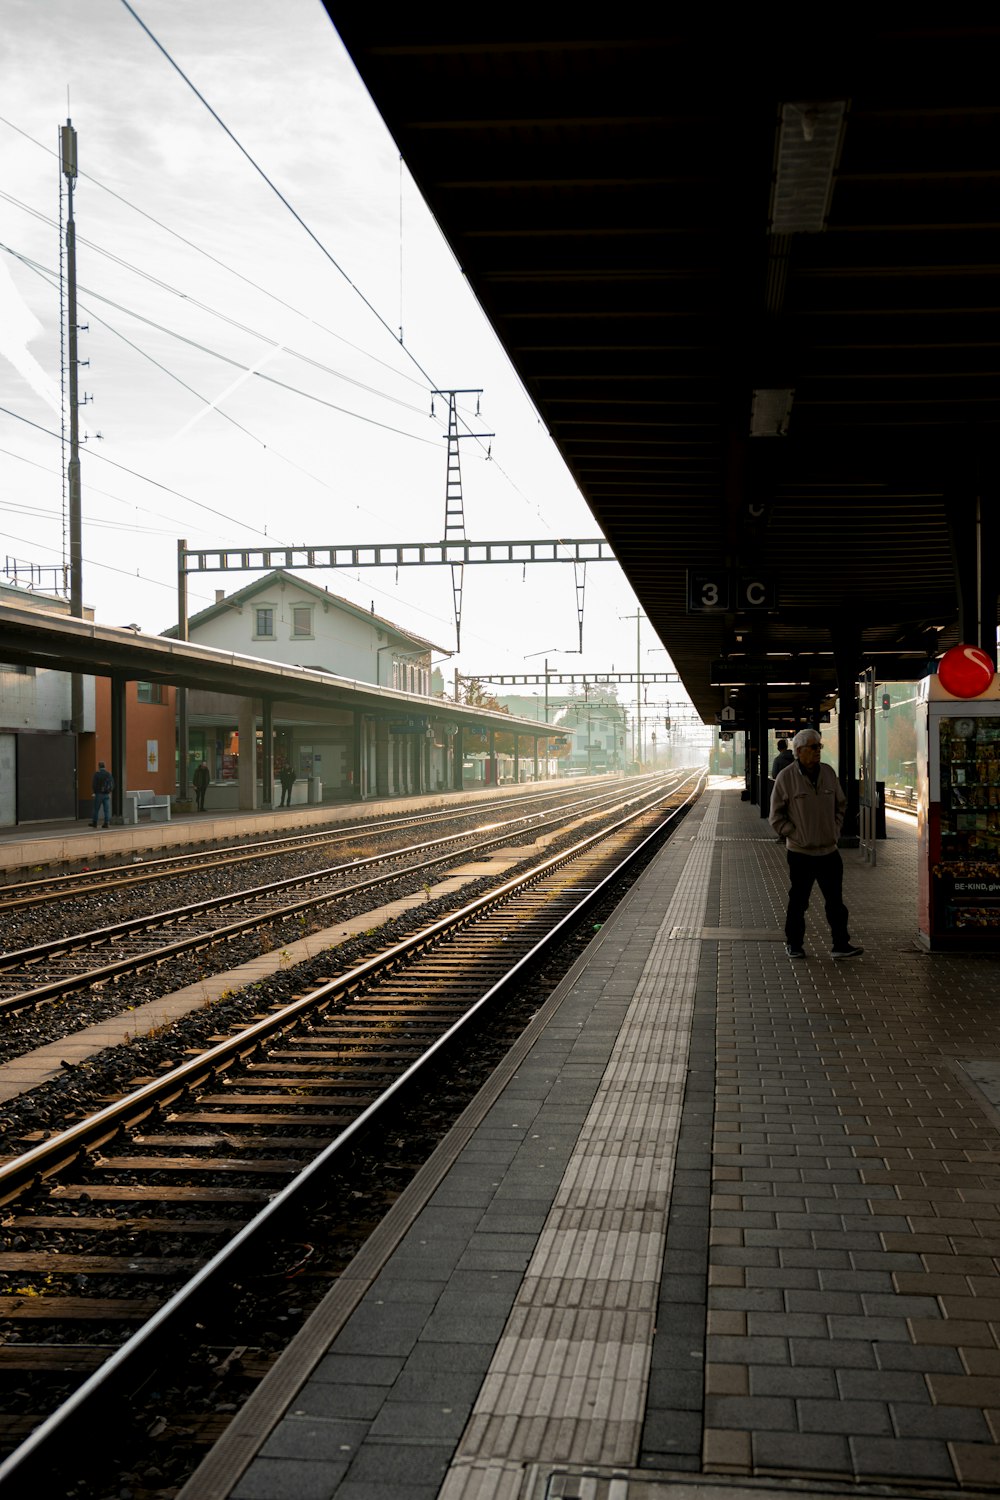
{"points": [[288, 620]]}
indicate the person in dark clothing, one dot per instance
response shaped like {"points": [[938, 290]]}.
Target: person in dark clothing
{"points": [[102, 785], [783, 758], [200, 780], [287, 778], [807, 811]]}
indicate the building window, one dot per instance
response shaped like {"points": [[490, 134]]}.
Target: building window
{"points": [[302, 620], [264, 623], [149, 692]]}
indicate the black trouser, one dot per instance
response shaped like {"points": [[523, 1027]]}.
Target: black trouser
{"points": [[828, 871]]}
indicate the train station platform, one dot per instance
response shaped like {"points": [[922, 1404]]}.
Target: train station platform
{"points": [[725, 1224]]}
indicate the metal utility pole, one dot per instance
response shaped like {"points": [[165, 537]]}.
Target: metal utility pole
{"points": [[638, 617], [67, 143], [183, 788]]}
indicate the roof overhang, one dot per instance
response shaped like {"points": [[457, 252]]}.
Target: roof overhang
{"points": [[750, 276], [58, 642]]}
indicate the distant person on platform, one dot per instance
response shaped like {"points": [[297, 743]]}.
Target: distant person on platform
{"points": [[287, 778], [807, 811], [102, 785], [783, 758], [201, 779]]}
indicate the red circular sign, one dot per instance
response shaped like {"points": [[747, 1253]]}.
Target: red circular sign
{"points": [[965, 671]]}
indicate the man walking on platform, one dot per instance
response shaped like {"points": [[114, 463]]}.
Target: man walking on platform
{"points": [[807, 811]]}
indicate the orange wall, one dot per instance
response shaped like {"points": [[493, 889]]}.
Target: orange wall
{"points": [[143, 722]]}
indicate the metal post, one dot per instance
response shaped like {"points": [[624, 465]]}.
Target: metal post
{"points": [[67, 139], [267, 754], [765, 800], [638, 685], [183, 791], [118, 746], [458, 760], [357, 755]]}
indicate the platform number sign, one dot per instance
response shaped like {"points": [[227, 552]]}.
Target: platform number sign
{"points": [[723, 592], [709, 593], [755, 591]]}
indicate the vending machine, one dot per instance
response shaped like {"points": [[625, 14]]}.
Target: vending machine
{"points": [[958, 819]]}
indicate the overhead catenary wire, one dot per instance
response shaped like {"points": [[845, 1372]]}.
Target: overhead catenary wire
{"points": [[191, 301], [200, 250], [219, 355], [536, 510]]}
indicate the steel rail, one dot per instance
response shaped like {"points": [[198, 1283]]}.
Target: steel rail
{"points": [[114, 877], [58, 947], [125, 1365]]}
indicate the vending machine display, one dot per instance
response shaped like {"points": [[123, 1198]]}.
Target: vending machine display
{"points": [[959, 818]]}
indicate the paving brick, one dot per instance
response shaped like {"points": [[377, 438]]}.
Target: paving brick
{"points": [[986, 1309], [943, 1361], [743, 1351], [883, 1385], [920, 1283], [784, 1380], [726, 1380], [838, 1353], [955, 1331], [976, 1464], [672, 1432], [852, 1416], [952, 1423], [981, 1361], [964, 1390], [726, 1451], [802, 1452], [814, 1301], [912, 1458], [764, 1413], [674, 1389], [895, 1305], [745, 1298]]}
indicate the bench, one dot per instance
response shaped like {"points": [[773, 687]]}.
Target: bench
{"points": [[146, 804]]}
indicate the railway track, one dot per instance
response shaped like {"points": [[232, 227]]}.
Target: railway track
{"points": [[152, 1210], [23, 894], [81, 961]]}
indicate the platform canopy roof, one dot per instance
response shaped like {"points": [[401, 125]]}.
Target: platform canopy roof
{"points": [[749, 271]]}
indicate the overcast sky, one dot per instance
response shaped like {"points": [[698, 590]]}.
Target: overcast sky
{"points": [[247, 383]]}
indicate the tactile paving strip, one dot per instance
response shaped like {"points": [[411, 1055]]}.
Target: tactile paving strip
{"points": [[568, 1381]]}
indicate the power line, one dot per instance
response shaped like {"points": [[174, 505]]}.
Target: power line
{"points": [[223, 265], [276, 190], [157, 484], [191, 301], [217, 354]]}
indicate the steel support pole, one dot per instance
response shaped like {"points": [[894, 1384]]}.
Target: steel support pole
{"points": [[458, 758], [764, 793], [267, 754], [118, 746], [183, 789]]}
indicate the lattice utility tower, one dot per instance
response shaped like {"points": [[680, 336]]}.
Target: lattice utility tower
{"points": [[454, 503]]}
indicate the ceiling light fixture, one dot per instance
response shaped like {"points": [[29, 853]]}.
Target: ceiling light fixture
{"points": [[770, 412], [809, 143]]}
